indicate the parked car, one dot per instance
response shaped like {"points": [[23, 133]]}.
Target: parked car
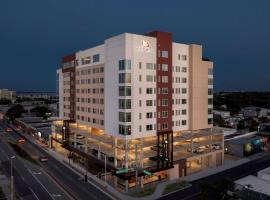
{"points": [[8, 130], [80, 137], [216, 146], [21, 141], [198, 150], [43, 159]]}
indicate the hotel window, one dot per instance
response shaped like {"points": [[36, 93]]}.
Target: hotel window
{"points": [[101, 69], [164, 79], [184, 122], [210, 81], [140, 90], [184, 80], [149, 78], [125, 78], [184, 101], [149, 127], [102, 122], [149, 90], [164, 54], [86, 60], [124, 64], [96, 58], [140, 78], [210, 101], [124, 116], [164, 102], [164, 67], [184, 69], [164, 114], [210, 111], [179, 57], [184, 112], [149, 103], [140, 65], [149, 115], [140, 128], [184, 57], [149, 66], [164, 125], [124, 91], [210, 71], [140, 103], [101, 90], [164, 90], [140, 115], [210, 121], [124, 130], [210, 91], [124, 103], [184, 90]]}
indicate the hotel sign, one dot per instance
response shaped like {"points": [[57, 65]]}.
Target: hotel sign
{"points": [[144, 47]]}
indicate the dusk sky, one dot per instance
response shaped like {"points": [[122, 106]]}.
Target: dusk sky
{"points": [[34, 35]]}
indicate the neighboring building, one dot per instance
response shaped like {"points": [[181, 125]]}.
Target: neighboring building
{"points": [[143, 101], [7, 94], [37, 126], [245, 145], [254, 187], [223, 114], [255, 112]]}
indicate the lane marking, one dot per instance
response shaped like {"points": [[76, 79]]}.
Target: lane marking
{"points": [[40, 183], [34, 193]]}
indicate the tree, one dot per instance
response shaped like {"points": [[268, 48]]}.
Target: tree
{"points": [[241, 125], [218, 120], [15, 112], [41, 111]]}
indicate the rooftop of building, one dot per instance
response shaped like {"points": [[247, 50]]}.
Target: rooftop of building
{"points": [[244, 140], [260, 183]]}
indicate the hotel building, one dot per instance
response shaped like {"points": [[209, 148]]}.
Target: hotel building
{"points": [[142, 102]]}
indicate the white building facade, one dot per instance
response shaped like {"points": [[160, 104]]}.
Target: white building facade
{"points": [[143, 101]]}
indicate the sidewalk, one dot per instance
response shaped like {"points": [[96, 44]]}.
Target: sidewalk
{"points": [[5, 185]]}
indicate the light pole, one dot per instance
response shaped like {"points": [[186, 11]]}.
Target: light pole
{"points": [[105, 177], [11, 178]]}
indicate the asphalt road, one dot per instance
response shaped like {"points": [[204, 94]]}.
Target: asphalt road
{"points": [[193, 193], [65, 177], [26, 184]]}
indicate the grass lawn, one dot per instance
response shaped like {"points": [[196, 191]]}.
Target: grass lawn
{"points": [[175, 186], [144, 192]]}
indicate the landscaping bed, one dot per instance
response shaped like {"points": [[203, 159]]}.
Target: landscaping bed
{"points": [[144, 192], [175, 186]]}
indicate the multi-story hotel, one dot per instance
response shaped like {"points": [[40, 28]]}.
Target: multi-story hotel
{"points": [[143, 103]]}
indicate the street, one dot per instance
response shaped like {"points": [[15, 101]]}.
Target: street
{"points": [[66, 178], [235, 173], [26, 179]]}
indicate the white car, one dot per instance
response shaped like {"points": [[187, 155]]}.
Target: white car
{"points": [[216, 147]]}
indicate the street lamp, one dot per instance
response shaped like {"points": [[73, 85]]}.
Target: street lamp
{"points": [[11, 178]]}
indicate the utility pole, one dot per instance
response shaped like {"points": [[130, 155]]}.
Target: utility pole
{"points": [[11, 179]]}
